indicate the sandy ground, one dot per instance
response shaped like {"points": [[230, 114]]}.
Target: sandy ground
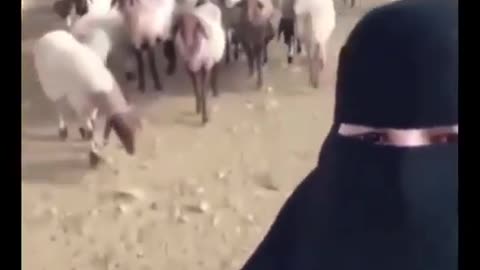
{"points": [[194, 197]]}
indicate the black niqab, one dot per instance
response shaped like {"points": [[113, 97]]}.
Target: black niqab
{"points": [[378, 207]]}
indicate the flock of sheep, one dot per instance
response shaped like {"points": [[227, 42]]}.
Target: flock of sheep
{"points": [[72, 64]]}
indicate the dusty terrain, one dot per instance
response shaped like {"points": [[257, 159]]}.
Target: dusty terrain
{"points": [[194, 197]]}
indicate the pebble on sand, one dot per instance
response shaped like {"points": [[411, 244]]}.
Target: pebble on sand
{"points": [[265, 180], [202, 207], [179, 217], [222, 174], [122, 208], [215, 220], [154, 206], [250, 218], [128, 194]]}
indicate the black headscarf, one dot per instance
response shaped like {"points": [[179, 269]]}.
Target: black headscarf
{"points": [[379, 207]]}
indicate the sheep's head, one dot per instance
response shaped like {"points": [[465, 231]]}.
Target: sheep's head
{"points": [[63, 7], [254, 9], [122, 3], [81, 6], [125, 126], [190, 29], [257, 12]]}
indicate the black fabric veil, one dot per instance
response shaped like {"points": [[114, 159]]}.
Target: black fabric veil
{"points": [[380, 207]]}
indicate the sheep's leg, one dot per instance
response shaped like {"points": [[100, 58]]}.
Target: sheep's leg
{"points": [[299, 46], [140, 70], [352, 3], [235, 51], [62, 128], [317, 65], [258, 58], [310, 63], [290, 51], [60, 107], [194, 78], [250, 59], [106, 132], [87, 132], [205, 78], [213, 80], [322, 53], [227, 46], [94, 155], [153, 68], [265, 54], [280, 30], [235, 43], [170, 54]]}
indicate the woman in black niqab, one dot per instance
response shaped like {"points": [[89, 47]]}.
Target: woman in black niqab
{"points": [[384, 193]]}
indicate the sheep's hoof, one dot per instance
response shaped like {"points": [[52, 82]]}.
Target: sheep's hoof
{"points": [[63, 133], [289, 59], [204, 120], [94, 159], [141, 88], [159, 87], [129, 76], [85, 133], [259, 83], [170, 70]]}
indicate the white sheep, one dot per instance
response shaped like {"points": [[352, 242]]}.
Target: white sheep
{"points": [[72, 10], [200, 40], [315, 22], [101, 31], [255, 31], [230, 18], [71, 74], [149, 22], [105, 33]]}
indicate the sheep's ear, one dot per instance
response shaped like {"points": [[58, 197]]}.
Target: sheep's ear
{"points": [[62, 8], [200, 2]]}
